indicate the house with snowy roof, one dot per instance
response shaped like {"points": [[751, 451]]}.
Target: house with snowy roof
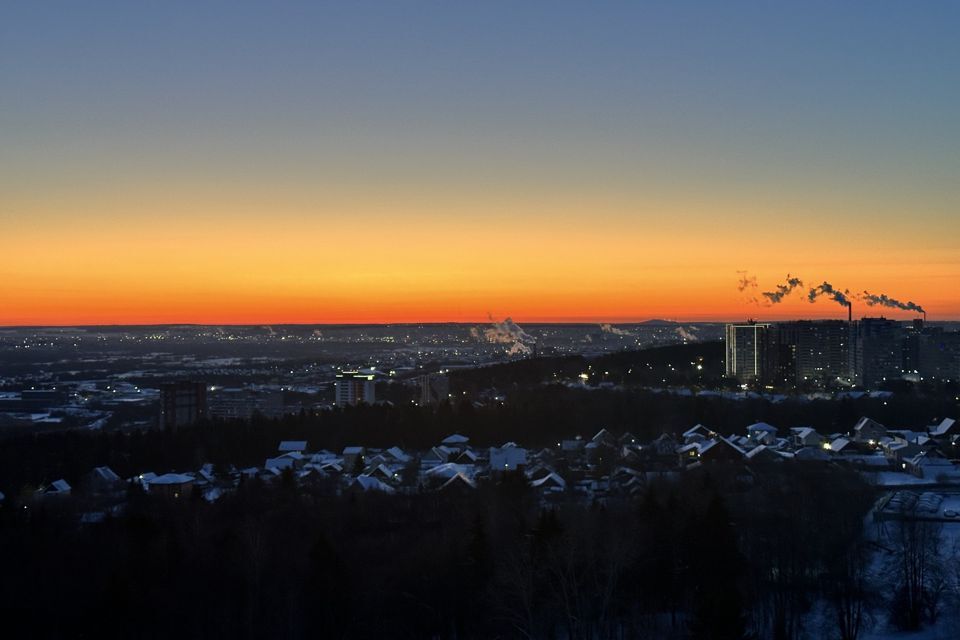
{"points": [[170, 485], [605, 438], [946, 428], [805, 437], [932, 465], [436, 476], [698, 433], [383, 473], [868, 431], [57, 488], [467, 456], [455, 441], [286, 446], [715, 450], [762, 433], [458, 484], [841, 445], [763, 454], [507, 458], [550, 482], [435, 456], [665, 445], [103, 480], [280, 462], [398, 455]]}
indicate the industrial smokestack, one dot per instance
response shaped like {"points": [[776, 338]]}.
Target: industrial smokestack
{"points": [[840, 297], [850, 312]]}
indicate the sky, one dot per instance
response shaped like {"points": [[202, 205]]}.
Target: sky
{"points": [[240, 162]]}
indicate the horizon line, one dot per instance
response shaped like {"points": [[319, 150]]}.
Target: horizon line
{"points": [[569, 321]]}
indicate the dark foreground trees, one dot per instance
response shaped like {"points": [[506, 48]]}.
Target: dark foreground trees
{"points": [[680, 561]]}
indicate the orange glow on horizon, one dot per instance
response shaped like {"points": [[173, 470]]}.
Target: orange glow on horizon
{"points": [[346, 260]]}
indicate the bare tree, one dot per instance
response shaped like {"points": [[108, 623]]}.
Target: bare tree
{"points": [[918, 586]]}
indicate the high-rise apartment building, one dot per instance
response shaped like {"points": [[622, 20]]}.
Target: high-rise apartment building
{"points": [[434, 388], [182, 404], [877, 351], [749, 350], [354, 387]]}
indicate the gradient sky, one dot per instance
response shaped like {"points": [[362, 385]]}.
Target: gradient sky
{"points": [[235, 162]]}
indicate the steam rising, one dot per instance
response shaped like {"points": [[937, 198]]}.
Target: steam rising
{"points": [[617, 331], [506, 332], [686, 335], [783, 290], [884, 301]]}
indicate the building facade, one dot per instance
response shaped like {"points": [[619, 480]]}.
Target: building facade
{"points": [[749, 349], [353, 388], [182, 404]]}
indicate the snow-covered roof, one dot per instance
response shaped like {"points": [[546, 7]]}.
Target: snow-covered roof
{"points": [[697, 429], [447, 470], [930, 458], [171, 478], [292, 445], [839, 444], [281, 462], [59, 486], [398, 454], [551, 479], [458, 480], [603, 435], [106, 473], [762, 426], [469, 455], [455, 439], [943, 428], [381, 470], [347, 451], [866, 422], [706, 446]]}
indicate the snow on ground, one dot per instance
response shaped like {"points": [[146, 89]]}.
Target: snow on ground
{"points": [[945, 630], [895, 479]]}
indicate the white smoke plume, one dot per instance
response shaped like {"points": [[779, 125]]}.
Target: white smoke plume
{"points": [[686, 334], [617, 331], [519, 349], [317, 334], [506, 332], [269, 329]]}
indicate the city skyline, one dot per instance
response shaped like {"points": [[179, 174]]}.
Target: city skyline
{"points": [[230, 164]]}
